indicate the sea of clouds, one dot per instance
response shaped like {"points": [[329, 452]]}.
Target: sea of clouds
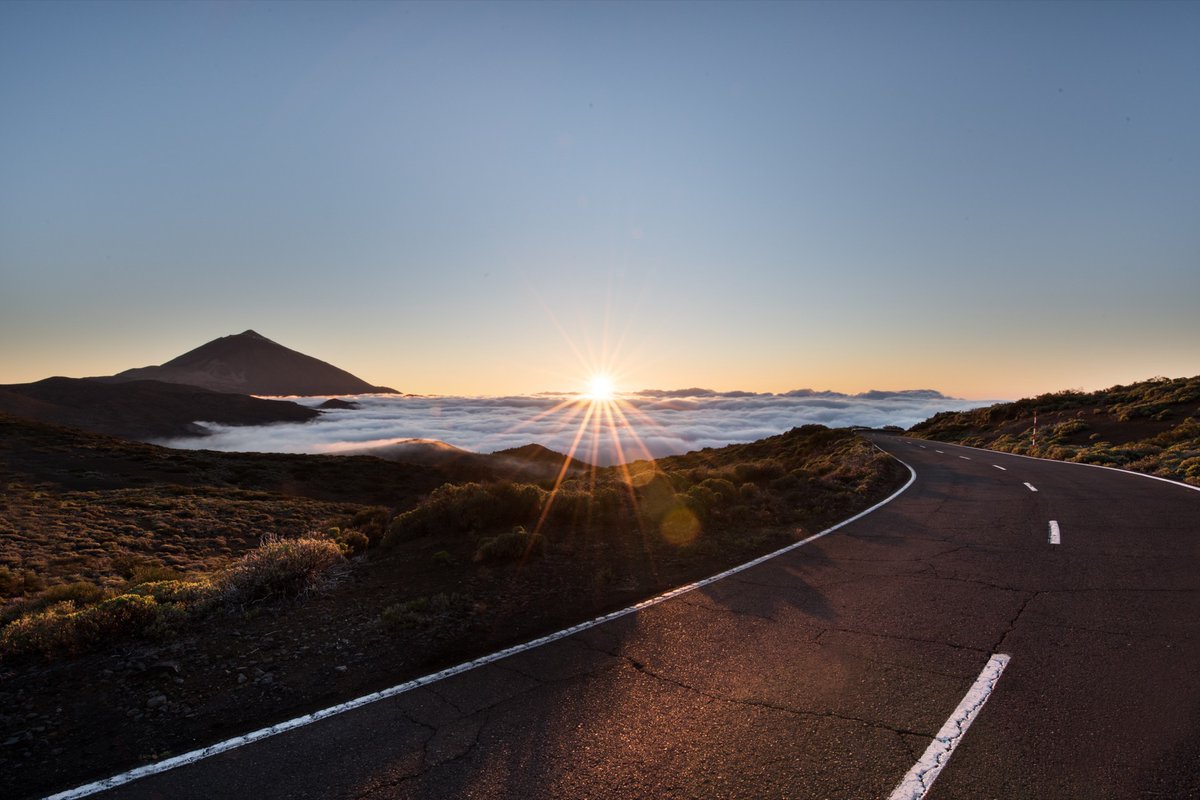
{"points": [[661, 422]]}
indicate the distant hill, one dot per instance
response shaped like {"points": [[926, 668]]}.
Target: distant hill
{"points": [[141, 410], [530, 462], [535, 456], [249, 363], [1152, 426]]}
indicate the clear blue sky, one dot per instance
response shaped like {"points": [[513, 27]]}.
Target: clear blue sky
{"points": [[986, 199]]}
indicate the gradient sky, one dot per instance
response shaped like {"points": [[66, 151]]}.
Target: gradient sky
{"points": [[991, 200]]}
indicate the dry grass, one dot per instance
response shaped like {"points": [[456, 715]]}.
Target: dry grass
{"points": [[72, 618], [1150, 427], [103, 536]]}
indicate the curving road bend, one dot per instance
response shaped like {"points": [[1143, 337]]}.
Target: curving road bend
{"points": [[827, 671]]}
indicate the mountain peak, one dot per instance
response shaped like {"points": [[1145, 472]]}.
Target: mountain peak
{"points": [[250, 363]]}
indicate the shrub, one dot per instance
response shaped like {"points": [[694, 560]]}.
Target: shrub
{"points": [[467, 507], [81, 593], [10, 582], [517, 544], [194, 595], [279, 568], [443, 558], [400, 616], [723, 489], [149, 573], [352, 542], [372, 522], [61, 630], [749, 493], [418, 611], [758, 471]]}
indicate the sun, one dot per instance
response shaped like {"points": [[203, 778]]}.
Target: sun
{"points": [[600, 388]]}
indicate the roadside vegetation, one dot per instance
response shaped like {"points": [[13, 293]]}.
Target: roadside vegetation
{"points": [[1152, 427], [152, 598], [87, 566]]}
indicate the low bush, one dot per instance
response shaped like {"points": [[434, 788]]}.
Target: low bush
{"points": [[372, 523], [279, 568], [60, 629], [516, 545], [467, 508], [150, 573]]}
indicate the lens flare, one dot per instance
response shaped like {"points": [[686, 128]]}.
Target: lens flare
{"points": [[604, 418]]}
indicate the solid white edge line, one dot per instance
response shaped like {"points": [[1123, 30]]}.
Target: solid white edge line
{"points": [[1072, 463], [920, 778], [298, 722], [1030, 486], [1055, 534]]}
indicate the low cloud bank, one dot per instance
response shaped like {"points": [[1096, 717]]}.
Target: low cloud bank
{"points": [[661, 422]]}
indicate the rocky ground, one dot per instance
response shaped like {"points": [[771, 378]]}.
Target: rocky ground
{"points": [[397, 612]]}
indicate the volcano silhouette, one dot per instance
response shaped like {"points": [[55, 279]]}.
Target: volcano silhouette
{"points": [[250, 363]]}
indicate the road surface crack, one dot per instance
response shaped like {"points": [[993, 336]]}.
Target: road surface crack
{"points": [[643, 669], [1012, 623]]}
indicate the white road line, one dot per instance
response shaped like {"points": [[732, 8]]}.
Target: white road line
{"points": [[997, 466], [943, 452], [1078, 464], [1030, 486], [358, 702], [920, 778], [1055, 534], [965, 458], [923, 447]]}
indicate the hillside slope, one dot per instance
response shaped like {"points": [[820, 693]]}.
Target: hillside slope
{"points": [[141, 409], [249, 363], [1152, 426]]}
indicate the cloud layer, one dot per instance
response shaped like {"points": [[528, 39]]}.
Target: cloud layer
{"points": [[661, 422]]}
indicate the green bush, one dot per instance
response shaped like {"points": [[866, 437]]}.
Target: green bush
{"points": [[467, 508], [400, 616], [351, 542], [150, 573], [279, 568], [372, 522], [81, 593], [725, 491], [193, 595], [60, 630], [758, 471], [516, 545], [10, 582]]}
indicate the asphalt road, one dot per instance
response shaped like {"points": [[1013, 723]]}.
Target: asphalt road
{"points": [[826, 672]]}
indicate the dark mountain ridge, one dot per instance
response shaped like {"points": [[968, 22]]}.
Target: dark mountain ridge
{"points": [[250, 363], [141, 409]]}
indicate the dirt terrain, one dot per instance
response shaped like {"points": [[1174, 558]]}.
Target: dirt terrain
{"points": [[406, 604]]}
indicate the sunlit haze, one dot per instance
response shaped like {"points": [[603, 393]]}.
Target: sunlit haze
{"points": [[987, 199]]}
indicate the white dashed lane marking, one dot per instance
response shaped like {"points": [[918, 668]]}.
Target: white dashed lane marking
{"points": [[997, 466], [1030, 486], [1055, 533], [916, 784]]}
